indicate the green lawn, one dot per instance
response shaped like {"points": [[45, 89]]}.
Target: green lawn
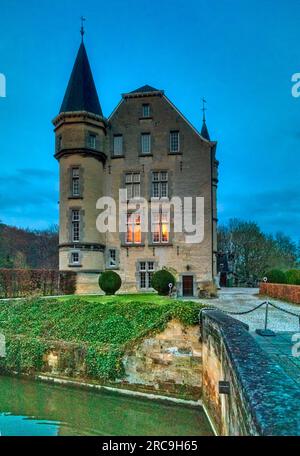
{"points": [[144, 297], [105, 326]]}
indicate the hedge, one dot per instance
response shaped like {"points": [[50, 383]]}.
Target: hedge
{"points": [[16, 283]]}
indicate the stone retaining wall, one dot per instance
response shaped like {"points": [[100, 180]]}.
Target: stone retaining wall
{"points": [[168, 363], [262, 399], [289, 293]]}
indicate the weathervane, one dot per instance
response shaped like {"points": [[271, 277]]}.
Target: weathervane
{"points": [[203, 108], [83, 19]]}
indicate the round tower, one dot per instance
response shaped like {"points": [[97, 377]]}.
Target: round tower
{"points": [[80, 131]]}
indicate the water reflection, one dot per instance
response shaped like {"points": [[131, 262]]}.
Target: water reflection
{"points": [[34, 408]]}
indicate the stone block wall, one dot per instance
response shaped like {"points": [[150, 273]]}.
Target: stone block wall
{"points": [[169, 363]]}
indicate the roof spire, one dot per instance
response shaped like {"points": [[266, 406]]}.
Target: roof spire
{"points": [[204, 130], [203, 108], [83, 19]]}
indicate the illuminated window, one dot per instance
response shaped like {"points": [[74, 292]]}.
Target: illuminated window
{"points": [[146, 143], [75, 225], [134, 234], [174, 141], [75, 182], [159, 184], [160, 227], [146, 270], [133, 185]]}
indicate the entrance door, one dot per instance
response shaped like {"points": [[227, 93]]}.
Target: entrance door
{"points": [[187, 285]]}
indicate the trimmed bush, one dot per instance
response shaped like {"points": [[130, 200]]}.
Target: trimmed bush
{"points": [[110, 282], [293, 277], [276, 276], [160, 281]]}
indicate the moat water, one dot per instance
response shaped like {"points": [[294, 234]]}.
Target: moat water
{"points": [[29, 408]]}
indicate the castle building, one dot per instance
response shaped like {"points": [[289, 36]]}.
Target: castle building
{"points": [[149, 148]]}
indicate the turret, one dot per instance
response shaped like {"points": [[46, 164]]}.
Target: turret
{"points": [[80, 131]]}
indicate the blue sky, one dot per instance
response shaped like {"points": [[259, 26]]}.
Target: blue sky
{"points": [[239, 54]]}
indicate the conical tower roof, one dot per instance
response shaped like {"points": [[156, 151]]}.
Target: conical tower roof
{"points": [[81, 93]]}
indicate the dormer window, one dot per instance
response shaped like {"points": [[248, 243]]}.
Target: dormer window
{"points": [[92, 141], [146, 110]]}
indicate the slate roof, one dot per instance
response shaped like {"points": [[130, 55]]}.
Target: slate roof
{"points": [[81, 93], [145, 88]]}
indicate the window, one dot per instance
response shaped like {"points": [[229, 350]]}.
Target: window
{"points": [[159, 184], [92, 141], [160, 227], [133, 235], [74, 257], [118, 145], [75, 182], [133, 185], [146, 143], [146, 270], [112, 258], [174, 141], [75, 225], [146, 110]]}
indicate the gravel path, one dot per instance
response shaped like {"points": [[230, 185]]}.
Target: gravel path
{"points": [[241, 299]]}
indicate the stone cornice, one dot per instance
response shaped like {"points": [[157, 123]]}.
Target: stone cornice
{"points": [[81, 151]]}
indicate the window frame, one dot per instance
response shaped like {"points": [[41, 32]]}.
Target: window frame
{"points": [[72, 261], [145, 135], [121, 153], [159, 183], [157, 235], [110, 258], [133, 221], [146, 273], [146, 112], [75, 181], [93, 141], [75, 225], [132, 184], [172, 132]]}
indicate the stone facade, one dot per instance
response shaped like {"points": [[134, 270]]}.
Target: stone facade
{"points": [[191, 172]]}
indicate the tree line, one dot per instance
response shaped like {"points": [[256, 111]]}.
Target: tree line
{"points": [[28, 249], [252, 253]]}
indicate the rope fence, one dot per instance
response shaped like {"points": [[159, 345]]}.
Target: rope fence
{"points": [[264, 332]]}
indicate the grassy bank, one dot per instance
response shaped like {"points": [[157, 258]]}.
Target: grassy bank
{"points": [[105, 326]]}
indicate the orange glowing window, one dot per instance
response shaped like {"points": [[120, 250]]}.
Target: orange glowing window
{"points": [[134, 234], [160, 227]]}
